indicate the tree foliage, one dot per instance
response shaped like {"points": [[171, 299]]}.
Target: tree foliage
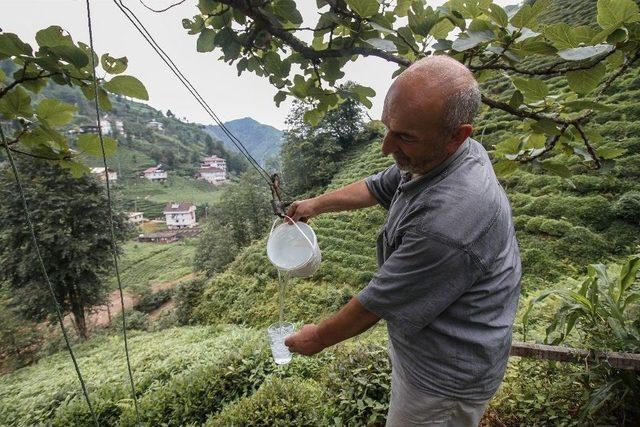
{"points": [[261, 36], [35, 123], [311, 155], [69, 217], [241, 215]]}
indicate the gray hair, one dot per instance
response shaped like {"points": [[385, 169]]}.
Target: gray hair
{"points": [[461, 107]]}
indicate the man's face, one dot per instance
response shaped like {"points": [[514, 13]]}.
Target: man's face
{"points": [[415, 135]]}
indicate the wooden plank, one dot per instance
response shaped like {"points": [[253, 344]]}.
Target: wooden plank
{"points": [[630, 361]]}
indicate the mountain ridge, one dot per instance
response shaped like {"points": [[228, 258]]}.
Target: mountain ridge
{"points": [[261, 140]]}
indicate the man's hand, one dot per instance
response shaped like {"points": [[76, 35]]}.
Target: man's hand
{"points": [[303, 210], [306, 341]]}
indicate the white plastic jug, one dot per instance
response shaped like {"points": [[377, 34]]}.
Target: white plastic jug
{"points": [[294, 248]]}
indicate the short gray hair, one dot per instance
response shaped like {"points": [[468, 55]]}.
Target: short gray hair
{"points": [[461, 107]]}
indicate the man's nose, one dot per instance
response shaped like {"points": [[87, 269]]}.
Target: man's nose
{"points": [[388, 145]]}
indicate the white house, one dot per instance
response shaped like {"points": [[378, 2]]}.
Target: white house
{"points": [[155, 125], [212, 175], [99, 173], [120, 127], [155, 174], [214, 162], [180, 215], [135, 217]]}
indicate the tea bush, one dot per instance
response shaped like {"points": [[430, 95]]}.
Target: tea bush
{"points": [[134, 320], [278, 402], [149, 301], [627, 207]]}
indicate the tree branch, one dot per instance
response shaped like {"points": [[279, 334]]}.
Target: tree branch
{"points": [[517, 112], [273, 26], [590, 149], [35, 156], [14, 83]]}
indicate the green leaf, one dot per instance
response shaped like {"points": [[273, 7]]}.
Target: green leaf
{"points": [[275, 65], [76, 169], [386, 45], [363, 93], [127, 86], [504, 167], [497, 15], [608, 153], [516, 99], [71, 54], [536, 140], [313, 117], [54, 112], [584, 104], [53, 36], [205, 40], [556, 168], [280, 96], [16, 103], [227, 39], [89, 143], [585, 52], [472, 39], [545, 126], [402, 7], [3, 76], [11, 45], [532, 89], [286, 9], [613, 13], [113, 65], [441, 29], [103, 100], [628, 273], [565, 36], [364, 8], [584, 81]]}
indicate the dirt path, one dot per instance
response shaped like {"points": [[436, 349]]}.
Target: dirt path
{"points": [[101, 316]]}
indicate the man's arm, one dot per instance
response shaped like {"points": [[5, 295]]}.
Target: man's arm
{"points": [[352, 196], [351, 320]]}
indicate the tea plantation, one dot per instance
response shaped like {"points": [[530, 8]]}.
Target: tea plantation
{"points": [[219, 372]]}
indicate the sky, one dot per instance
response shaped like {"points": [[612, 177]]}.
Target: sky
{"points": [[231, 97]]}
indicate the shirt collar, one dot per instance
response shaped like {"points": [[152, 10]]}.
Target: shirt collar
{"points": [[407, 184]]}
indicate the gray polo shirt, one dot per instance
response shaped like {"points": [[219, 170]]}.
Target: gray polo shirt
{"points": [[448, 276]]}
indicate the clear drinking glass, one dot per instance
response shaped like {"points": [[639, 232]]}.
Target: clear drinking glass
{"points": [[277, 334]]}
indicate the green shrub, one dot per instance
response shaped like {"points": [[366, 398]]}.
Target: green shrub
{"points": [[628, 207], [554, 227], [193, 395], [582, 245], [135, 320], [149, 301], [533, 225], [167, 319], [187, 296], [278, 402], [358, 385]]}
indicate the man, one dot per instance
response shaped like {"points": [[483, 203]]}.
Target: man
{"points": [[448, 276]]}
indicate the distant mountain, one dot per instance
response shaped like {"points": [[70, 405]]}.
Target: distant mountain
{"points": [[261, 140]]}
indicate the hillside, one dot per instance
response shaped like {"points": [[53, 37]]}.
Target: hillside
{"points": [[222, 374], [262, 141]]}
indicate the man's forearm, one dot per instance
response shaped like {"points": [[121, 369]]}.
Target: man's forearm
{"points": [[352, 196], [351, 320]]}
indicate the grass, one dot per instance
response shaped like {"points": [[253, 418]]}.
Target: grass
{"points": [[151, 197], [145, 263]]}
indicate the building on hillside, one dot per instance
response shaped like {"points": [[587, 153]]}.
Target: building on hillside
{"points": [[213, 169], [135, 217], [212, 175], [89, 129], [119, 125], [155, 173], [214, 162], [180, 215], [99, 173], [155, 125]]}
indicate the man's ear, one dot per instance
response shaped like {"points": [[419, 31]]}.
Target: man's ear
{"points": [[459, 136], [463, 132]]}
